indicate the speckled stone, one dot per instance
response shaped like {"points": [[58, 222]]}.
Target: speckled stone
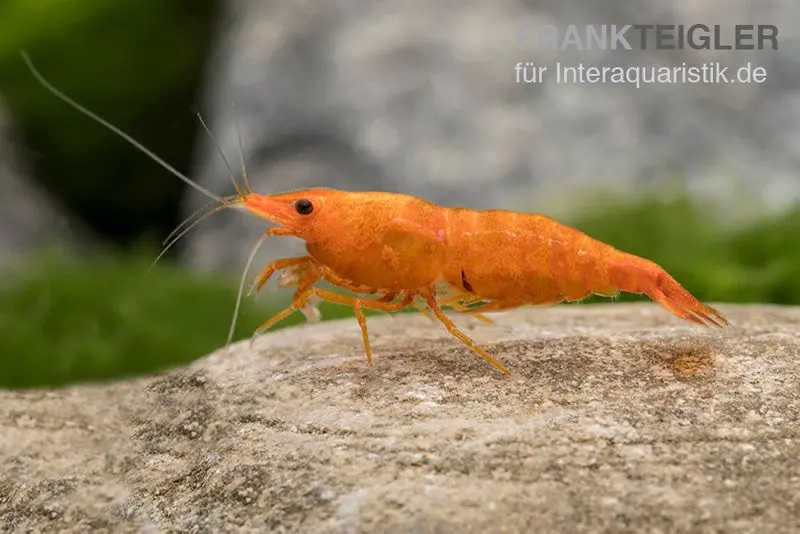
{"points": [[617, 418]]}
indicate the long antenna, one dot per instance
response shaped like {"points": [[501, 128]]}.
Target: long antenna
{"points": [[47, 85]]}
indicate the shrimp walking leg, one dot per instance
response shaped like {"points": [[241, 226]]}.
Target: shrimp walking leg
{"points": [[453, 329], [389, 297], [330, 276], [458, 306], [508, 304], [301, 296], [461, 301], [425, 311], [359, 304], [266, 273]]}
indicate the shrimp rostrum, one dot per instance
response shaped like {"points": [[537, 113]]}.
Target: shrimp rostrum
{"points": [[394, 251]]}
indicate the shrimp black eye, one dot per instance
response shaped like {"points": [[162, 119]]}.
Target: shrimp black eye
{"points": [[304, 206]]}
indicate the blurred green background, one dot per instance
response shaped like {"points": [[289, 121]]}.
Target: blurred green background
{"points": [[149, 56], [99, 317]]}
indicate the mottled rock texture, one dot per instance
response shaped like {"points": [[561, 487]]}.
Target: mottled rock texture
{"points": [[617, 418]]}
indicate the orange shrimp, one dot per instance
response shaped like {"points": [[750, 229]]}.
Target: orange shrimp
{"points": [[389, 243], [398, 248]]}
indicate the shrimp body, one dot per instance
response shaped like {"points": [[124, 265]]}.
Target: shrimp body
{"points": [[400, 248]]}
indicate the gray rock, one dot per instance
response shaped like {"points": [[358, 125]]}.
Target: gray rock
{"points": [[30, 219], [421, 97], [617, 418]]}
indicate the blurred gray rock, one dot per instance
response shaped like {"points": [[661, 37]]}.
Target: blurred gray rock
{"points": [[618, 418], [30, 219], [421, 97]]}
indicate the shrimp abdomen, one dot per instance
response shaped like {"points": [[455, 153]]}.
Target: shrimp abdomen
{"points": [[517, 259], [500, 254]]}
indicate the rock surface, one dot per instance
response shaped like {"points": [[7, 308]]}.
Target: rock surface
{"points": [[617, 418], [421, 97]]}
